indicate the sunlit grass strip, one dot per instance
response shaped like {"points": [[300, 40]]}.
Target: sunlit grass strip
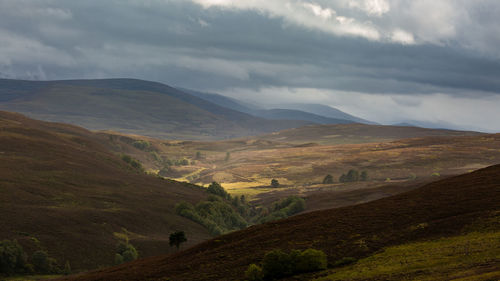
{"points": [[456, 256]]}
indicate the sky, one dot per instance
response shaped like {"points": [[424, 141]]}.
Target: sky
{"points": [[388, 61]]}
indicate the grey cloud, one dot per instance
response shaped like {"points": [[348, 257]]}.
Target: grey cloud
{"points": [[181, 43]]}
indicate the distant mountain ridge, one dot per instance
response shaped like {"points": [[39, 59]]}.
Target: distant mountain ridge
{"points": [[328, 111], [291, 114], [132, 106], [316, 113]]}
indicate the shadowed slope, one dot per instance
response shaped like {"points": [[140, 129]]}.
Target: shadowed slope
{"points": [[438, 209], [63, 191]]}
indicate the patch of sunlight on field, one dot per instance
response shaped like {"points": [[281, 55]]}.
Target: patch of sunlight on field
{"points": [[455, 257], [260, 182], [240, 185], [251, 192], [249, 189], [183, 179]]}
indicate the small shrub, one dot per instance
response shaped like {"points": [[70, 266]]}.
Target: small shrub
{"points": [[125, 252], [310, 260], [12, 257], [254, 273], [141, 144], [118, 259], [276, 264], [40, 261], [132, 162], [67, 268], [435, 175], [127, 158]]}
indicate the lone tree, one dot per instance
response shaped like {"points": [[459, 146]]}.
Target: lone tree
{"points": [[275, 183], [177, 238], [352, 176], [328, 179]]}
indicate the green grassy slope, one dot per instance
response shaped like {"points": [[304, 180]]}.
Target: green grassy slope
{"points": [[62, 190], [472, 256]]}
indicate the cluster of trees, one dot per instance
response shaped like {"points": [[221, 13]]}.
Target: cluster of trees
{"points": [[278, 264], [284, 208], [216, 189], [13, 260], [215, 214], [351, 176], [354, 176], [125, 252], [176, 162], [168, 163], [222, 213]]}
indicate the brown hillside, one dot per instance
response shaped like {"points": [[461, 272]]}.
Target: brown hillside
{"points": [[356, 133], [61, 190], [438, 209]]}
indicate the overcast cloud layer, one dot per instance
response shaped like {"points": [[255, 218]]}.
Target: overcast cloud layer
{"points": [[383, 60]]}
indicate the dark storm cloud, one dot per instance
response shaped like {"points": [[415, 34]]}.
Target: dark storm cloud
{"points": [[376, 47]]}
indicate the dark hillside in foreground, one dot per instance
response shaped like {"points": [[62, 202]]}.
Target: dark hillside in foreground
{"points": [[132, 106], [439, 209], [63, 191]]}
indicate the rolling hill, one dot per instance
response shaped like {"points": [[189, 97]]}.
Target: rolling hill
{"points": [[63, 190], [132, 106], [456, 208]]}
